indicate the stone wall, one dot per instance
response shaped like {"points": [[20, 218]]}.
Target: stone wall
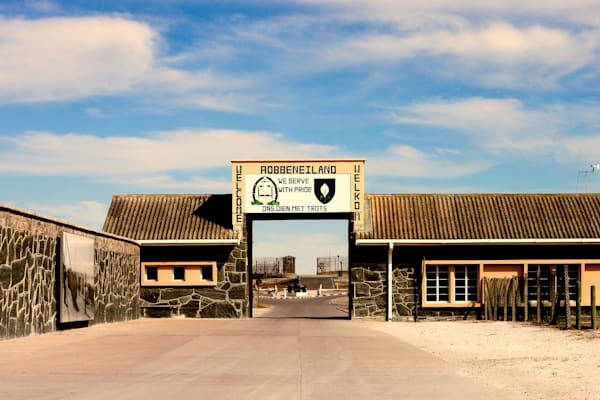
{"points": [[405, 291], [228, 299], [29, 258], [117, 282], [369, 290]]}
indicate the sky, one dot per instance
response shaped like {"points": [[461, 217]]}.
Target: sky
{"points": [[303, 239], [158, 96]]}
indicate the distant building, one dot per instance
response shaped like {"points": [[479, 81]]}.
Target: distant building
{"points": [[274, 265], [332, 264]]}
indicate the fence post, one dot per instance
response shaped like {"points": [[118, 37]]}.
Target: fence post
{"points": [[539, 294], [515, 288], [593, 298], [505, 294], [485, 298], [567, 298], [578, 314], [553, 296], [526, 296]]}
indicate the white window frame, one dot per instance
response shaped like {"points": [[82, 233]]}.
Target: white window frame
{"points": [[437, 286], [465, 289]]}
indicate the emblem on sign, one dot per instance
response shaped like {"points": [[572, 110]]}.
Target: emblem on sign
{"points": [[324, 190], [265, 192]]}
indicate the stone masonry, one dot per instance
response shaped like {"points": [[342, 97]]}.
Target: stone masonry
{"points": [[117, 289], [228, 299], [369, 283], [369, 289], [28, 266]]}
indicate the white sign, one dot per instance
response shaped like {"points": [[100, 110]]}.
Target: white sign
{"points": [[297, 187], [297, 193]]}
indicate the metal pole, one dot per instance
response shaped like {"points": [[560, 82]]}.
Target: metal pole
{"points": [[389, 282], [593, 300], [578, 317]]}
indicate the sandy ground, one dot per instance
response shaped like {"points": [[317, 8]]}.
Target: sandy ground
{"points": [[539, 362]]}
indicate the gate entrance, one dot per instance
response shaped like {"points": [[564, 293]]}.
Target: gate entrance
{"points": [[321, 191], [299, 266]]}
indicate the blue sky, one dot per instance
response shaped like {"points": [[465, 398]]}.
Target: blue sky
{"points": [[105, 97], [304, 239]]}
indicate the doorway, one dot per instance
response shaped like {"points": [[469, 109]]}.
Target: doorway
{"points": [[299, 266]]}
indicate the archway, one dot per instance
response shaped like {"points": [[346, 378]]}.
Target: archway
{"points": [[299, 265]]}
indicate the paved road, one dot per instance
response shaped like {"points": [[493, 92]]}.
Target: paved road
{"points": [[315, 307], [229, 359]]}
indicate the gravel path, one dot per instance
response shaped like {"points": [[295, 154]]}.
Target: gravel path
{"points": [[538, 362]]}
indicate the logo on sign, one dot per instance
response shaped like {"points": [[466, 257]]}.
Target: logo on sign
{"points": [[265, 192], [324, 190]]}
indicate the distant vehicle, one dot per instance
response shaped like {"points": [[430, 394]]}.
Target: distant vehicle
{"points": [[296, 288]]}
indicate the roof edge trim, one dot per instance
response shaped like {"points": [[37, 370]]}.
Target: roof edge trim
{"points": [[450, 242], [190, 242]]}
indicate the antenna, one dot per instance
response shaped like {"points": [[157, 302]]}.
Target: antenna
{"points": [[586, 173]]}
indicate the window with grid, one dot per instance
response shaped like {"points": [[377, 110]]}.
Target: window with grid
{"points": [[437, 283], [547, 284], [465, 283]]}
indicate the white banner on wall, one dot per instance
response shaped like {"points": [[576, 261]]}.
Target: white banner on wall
{"points": [[77, 278]]}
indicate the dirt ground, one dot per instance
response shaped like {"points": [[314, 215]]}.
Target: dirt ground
{"points": [[539, 362]]}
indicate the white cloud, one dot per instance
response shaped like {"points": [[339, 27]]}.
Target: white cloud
{"points": [[495, 124], [150, 161], [494, 44], [46, 153], [67, 58], [581, 148], [410, 162], [575, 11], [193, 184], [86, 213], [95, 112], [507, 126], [497, 54], [43, 6]]}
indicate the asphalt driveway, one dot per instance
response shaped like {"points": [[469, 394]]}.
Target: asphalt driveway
{"points": [[230, 359]]}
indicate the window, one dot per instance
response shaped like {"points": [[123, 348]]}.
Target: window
{"points": [[451, 285], [437, 283], [179, 273], [465, 283], [551, 280], [207, 273], [151, 273]]}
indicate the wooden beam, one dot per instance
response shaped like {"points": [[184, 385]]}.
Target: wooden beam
{"points": [[513, 292]]}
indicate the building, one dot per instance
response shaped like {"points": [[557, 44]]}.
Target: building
{"points": [[436, 250], [274, 265], [192, 262], [412, 255]]}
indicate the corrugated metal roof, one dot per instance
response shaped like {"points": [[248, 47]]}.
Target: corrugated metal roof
{"points": [[483, 216], [170, 217], [393, 217]]}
